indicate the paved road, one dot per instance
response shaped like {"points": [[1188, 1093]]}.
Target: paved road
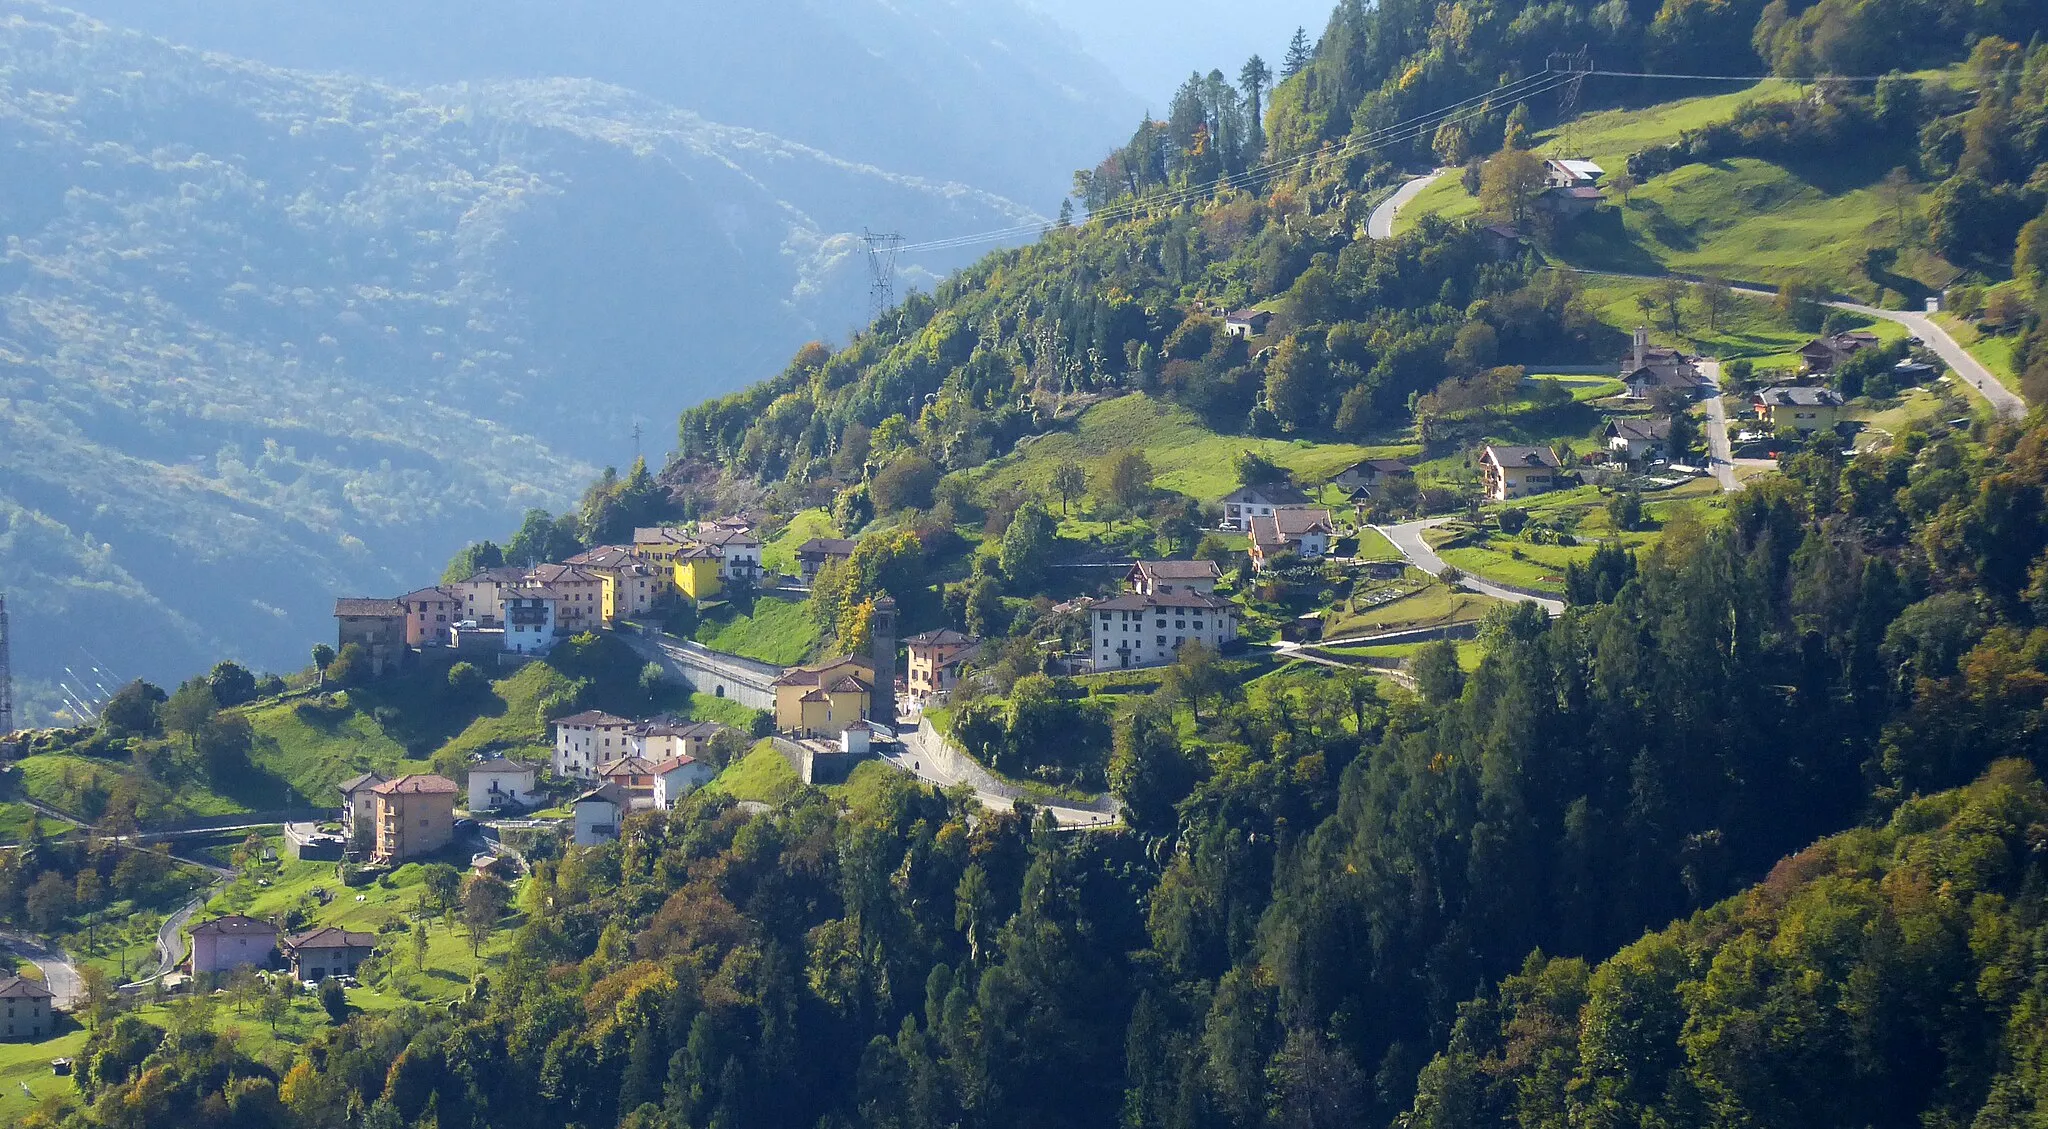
{"points": [[1381, 226], [59, 974], [1408, 538], [2002, 399], [1720, 453], [917, 757]]}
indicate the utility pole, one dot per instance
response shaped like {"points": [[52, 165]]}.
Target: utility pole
{"points": [[636, 440], [1579, 64], [6, 676], [881, 270]]}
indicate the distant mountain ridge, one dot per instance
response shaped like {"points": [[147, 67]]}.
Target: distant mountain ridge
{"points": [[268, 336], [986, 92]]}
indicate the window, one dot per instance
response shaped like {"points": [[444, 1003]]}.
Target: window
{"points": [[1162, 640]]}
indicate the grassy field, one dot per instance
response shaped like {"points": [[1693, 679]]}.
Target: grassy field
{"points": [[1186, 456], [1884, 420], [778, 553], [1374, 546], [1434, 606], [64, 781], [315, 749], [778, 631], [1752, 330], [1994, 352], [28, 1065], [1741, 218], [763, 775], [15, 818], [1469, 653], [1515, 561], [512, 719]]}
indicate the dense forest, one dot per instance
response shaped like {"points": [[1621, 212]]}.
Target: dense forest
{"points": [[1336, 902]]}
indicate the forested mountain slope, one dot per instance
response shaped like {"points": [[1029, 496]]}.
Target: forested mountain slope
{"points": [[267, 336], [986, 93]]}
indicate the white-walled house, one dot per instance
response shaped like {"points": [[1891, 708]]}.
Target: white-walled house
{"points": [[588, 741], [1138, 630], [1302, 530], [1248, 502], [230, 942], [498, 783], [597, 815], [530, 617], [678, 776]]}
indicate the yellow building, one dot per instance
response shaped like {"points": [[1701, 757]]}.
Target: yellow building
{"points": [[631, 585], [823, 700], [415, 816], [699, 572]]}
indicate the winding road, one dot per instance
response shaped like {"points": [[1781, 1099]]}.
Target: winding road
{"points": [[1408, 538], [1381, 225], [59, 974], [918, 757]]}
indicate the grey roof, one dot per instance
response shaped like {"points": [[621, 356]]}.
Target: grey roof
{"points": [[1641, 430], [359, 782], [605, 793], [1799, 396], [1267, 495], [1179, 570], [22, 988], [827, 547], [329, 938], [1523, 456], [350, 607], [233, 925], [1138, 602]]}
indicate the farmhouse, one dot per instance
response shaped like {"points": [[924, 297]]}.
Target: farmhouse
{"points": [[1636, 440], [500, 783], [1164, 578], [375, 625], [1247, 324], [1517, 472], [1803, 409], [814, 554], [1248, 502], [1300, 530], [1823, 354], [30, 1009], [316, 955], [230, 942], [1369, 474], [596, 815]]}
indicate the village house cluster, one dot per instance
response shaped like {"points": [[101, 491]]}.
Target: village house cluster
{"points": [[522, 610]]}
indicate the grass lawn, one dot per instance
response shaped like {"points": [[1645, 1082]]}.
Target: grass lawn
{"points": [[1883, 420], [778, 553], [29, 1064], [1740, 218], [313, 749], [1186, 456], [1469, 653], [512, 719], [763, 775], [1583, 513], [15, 818], [1993, 351], [1374, 546], [1434, 606], [64, 781], [1752, 330], [778, 631]]}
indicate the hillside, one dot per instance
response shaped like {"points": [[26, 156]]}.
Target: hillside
{"points": [[811, 71], [1886, 976], [266, 337]]}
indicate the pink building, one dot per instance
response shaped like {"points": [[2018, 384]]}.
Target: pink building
{"points": [[231, 942]]}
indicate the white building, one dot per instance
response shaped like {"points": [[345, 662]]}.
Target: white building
{"points": [[597, 815], [1248, 502], [590, 740], [1304, 531], [499, 783], [738, 547], [678, 776], [1136, 630], [530, 619]]}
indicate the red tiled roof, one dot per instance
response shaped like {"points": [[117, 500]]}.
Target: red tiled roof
{"points": [[417, 784]]}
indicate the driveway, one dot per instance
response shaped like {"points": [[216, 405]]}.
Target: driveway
{"points": [[59, 974], [1408, 538], [1720, 453], [1381, 225]]}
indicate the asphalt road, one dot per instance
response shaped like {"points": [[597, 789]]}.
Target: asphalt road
{"points": [[1408, 538], [1720, 453], [915, 756], [1381, 225], [59, 974]]}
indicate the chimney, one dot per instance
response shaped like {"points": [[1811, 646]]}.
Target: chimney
{"points": [[1642, 347], [882, 627]]}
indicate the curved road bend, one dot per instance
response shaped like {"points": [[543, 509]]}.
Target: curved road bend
{"points": [[1408, 538], [916, 757], [2003, 400], [1381, 225]]}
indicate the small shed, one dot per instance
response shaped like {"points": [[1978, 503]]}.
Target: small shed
{"points": [[858, 739]]}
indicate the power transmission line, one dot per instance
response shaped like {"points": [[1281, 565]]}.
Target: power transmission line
{"points": [[882, 252], [6, 676], [1421, 125]]}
